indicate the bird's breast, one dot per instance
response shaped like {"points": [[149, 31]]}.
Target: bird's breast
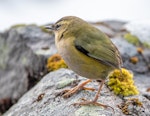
{"points": [[80, 63]]}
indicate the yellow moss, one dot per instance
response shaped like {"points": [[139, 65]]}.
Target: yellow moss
{"points": [[122, 83], [132, 39], [55, 62]]}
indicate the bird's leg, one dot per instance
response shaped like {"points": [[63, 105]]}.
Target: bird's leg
{"points": [[99, 90], [95, 98], [94, 102], [77, 88]]}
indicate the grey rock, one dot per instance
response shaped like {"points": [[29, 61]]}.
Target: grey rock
{"points": [[125, 48], [41, 43], [52, 103], [142, 82], [111, 28], [20, 67], [139, 29], [108, 31], [115, 25]]}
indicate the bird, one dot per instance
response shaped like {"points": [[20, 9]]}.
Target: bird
{"points": [[87, 51]]}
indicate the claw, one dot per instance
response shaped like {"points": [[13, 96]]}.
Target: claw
{"points": [[86, 102]]}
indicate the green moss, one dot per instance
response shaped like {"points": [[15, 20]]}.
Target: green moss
{"points": [[132, 39], [90, 110], [22, 25], [18, 25], [147, 45], [65, 82], [122, 84]]}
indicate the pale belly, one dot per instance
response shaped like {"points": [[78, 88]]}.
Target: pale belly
{"points": [[82, 64]]}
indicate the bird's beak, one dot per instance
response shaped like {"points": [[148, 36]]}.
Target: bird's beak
{"points": [[51, 27]]}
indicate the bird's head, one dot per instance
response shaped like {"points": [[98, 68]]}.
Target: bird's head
{"points": [[67, 26]]}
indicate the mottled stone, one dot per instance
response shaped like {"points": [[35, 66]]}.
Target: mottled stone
{"points": [[52, 103]]}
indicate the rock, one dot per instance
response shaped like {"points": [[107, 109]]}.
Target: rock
{"points": [[141, 30], [115, 25], [20, 67], [35, 37], [127, 51], [124, 47], [111, 28], [45, 99], [108, 31]]}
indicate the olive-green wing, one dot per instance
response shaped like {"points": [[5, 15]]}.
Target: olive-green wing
{"points": [[97, 45]]}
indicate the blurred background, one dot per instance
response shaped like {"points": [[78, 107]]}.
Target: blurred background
{"points": [[28, 52], [45, 11]]}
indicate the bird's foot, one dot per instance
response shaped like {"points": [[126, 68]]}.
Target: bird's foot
{"points": [[74, 90], [86, 102]]}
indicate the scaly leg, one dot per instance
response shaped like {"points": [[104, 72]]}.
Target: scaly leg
{"points": [[94, 102], [77, 88]]}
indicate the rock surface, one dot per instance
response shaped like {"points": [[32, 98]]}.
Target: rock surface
{"points": [[140, 29], [20, 66], [45, 99]]}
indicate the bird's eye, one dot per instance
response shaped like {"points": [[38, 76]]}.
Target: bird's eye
{"points": [[57, 26]]}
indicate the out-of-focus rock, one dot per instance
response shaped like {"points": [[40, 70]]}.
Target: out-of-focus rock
{"points": [[108, 31], [141, 30], [37, 39], [20, 66], [124, 47], [115, 25], [111, 28], [127, 51]]}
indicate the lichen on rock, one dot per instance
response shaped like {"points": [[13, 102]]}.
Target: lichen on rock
{"points": [[122, 83]]}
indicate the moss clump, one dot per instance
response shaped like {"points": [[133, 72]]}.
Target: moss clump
{"points": [[132, 39], [55, 62], [89, 110], [122, 83], [65, 82], [135, 40], [146, 44], [18, 25], [22, 25]]}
